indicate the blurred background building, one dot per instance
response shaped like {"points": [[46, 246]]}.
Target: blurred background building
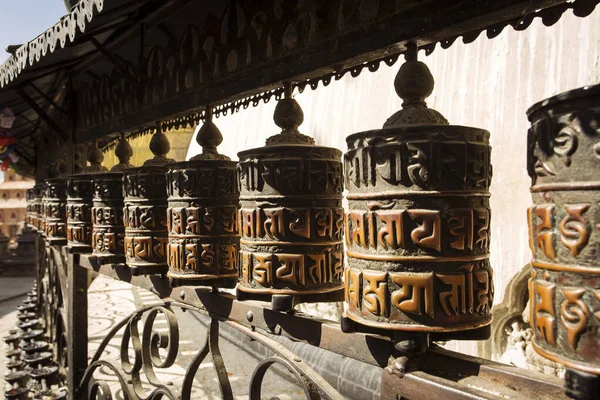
{"points": [[12, 202]]}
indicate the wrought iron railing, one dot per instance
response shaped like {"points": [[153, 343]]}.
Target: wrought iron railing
{"points": [[62, 285]]}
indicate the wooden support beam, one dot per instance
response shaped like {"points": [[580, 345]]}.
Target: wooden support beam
{"points": [[25, 157], [43, 115], [47, 98], [77, 324], [25, 118]]}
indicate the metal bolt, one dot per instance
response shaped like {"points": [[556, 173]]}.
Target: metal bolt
{"points": [[399, 366], [249, 316], [182, 295]]}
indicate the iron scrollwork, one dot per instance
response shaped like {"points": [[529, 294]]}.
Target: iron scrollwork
{"points": [[153, 351]]}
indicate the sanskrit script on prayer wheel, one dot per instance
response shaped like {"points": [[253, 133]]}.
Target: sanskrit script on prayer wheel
{"points": [[564, 228], [417, 229], [55, 199], [80, 192], [145, 218], [30, 210], [203, 201], [107, 217], [36, 204], [291, 216], [41, 221]]}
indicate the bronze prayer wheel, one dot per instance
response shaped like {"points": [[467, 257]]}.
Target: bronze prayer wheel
{"points": [[38, 190], [55, 200], [418, 221], [564, 229], [41, 207], [201, 218], [291, 216], [145, 218], [108, 230], [202, 222], [30, 208], [80, 192]]}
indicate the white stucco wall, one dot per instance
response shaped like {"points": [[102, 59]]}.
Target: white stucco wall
{"points": [[488, 84]]}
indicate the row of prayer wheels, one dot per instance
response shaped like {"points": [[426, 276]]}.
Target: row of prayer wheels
{"points": [[415, 236], [416, 233]]}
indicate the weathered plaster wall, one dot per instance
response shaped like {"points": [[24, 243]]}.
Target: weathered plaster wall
{"points": [[488, 84]]}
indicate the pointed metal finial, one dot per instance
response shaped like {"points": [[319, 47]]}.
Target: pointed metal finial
{"points": [[95, 158], [414, 83], [209, 137], [289, 116], [160, 146], [123, 151]]}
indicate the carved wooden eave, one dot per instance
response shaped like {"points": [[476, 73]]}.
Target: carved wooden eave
{"points": [[120, 65], [54, 38]]}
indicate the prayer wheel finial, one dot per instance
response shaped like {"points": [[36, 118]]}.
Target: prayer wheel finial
{"points": [[209, 138], [95, 157], [414, 83], [289, 116], [123, 151], [77, 167], [160, 146]]}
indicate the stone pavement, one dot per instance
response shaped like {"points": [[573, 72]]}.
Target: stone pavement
{"points": [[14, 286]]}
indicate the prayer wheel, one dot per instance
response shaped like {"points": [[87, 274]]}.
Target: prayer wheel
{"points": [[145, 218], [202, 216], [55, 200], [29, 212], [145, 212], [291, 216], [38, 191], [80, 192], [564, 235], [41, 219], [418, 220], [108, 230]]}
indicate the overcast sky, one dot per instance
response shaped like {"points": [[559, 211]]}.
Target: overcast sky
{"points": [[21, 21]]}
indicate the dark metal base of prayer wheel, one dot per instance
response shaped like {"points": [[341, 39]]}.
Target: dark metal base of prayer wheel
{"points": [[564, 234], [145, 218], [108, 231], [418, 229], [80, 192], [291, 221], [202, 223], [581, 385], [287, 302]]}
